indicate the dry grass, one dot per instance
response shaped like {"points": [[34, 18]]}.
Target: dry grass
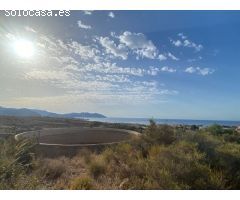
{"points": [[97, 167], [52, 169], [82, 183]]}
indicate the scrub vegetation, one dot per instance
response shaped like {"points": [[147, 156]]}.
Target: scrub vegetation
{"points": [[162, 157]]}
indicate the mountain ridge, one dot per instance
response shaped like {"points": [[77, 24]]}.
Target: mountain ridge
{"points": [[26, 112]]}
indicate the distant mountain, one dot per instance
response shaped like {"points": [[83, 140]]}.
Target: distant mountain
{"points": [[84, 115], [44, 113], [18, 112], [24, 112]]}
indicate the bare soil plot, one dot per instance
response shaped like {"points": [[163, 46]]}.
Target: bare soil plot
{"points": [[78, 136]]}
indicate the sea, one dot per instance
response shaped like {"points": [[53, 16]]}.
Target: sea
{"points": [[145, 121]]}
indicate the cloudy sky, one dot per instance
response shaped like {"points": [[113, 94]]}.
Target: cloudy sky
{"points": [[162, 64]]}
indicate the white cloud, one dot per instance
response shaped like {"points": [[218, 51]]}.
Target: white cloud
{"points": [[136, 93], [68, 59], [113, 34], [182, 36], [29, 29], [47, 75], [177, 43], [153, 71], [82, 25], [200, 71], [183, 41], [170, 55], [139, 44], [51, 43], [72, 67], [190, 70], [194, 59], [62, 44], [117, 50], [113, 78], [10, 36], [188, 43], [205, 71], [67, 80], [134, 43], [162, 57], [111, 14], [169, 92], [71, 52], [84, 51], [168, 69], [113, 68], [85, 72], [100, 87], [75, 56], [87, 12]]}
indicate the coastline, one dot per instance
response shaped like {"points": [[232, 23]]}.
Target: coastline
{"points": [[175, 122]]}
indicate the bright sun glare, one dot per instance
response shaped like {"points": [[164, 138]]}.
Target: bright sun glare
{"points": [[24, 48]]}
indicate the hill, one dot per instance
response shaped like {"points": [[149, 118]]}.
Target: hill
{"points": [[24, 112]]}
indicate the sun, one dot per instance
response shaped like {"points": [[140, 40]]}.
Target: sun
{"points": [[24, 48]]}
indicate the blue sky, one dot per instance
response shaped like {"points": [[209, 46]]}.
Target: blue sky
{"points": [[162, 64]]}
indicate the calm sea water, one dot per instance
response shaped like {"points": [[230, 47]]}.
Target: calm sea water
{"points": [[145, 121]]}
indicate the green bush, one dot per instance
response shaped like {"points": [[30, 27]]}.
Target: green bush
{"points": [[176, 166], [229, 160], [207, 144], [162, 134], [234, 138], [185, 165], [215, 129]]}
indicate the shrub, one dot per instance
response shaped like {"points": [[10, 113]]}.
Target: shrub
{"points": [[234, 138], [229, 160], [51, 169], [24, 152], [163, 157], [84, 183], [185, 166], [194, 127], [86, 154], [229, 131], [162, 134], [97, 167], [215, 129], [16, 161], [207, 144]]}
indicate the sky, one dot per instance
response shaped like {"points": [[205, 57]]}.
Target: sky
{"points": [[161, 64]]}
